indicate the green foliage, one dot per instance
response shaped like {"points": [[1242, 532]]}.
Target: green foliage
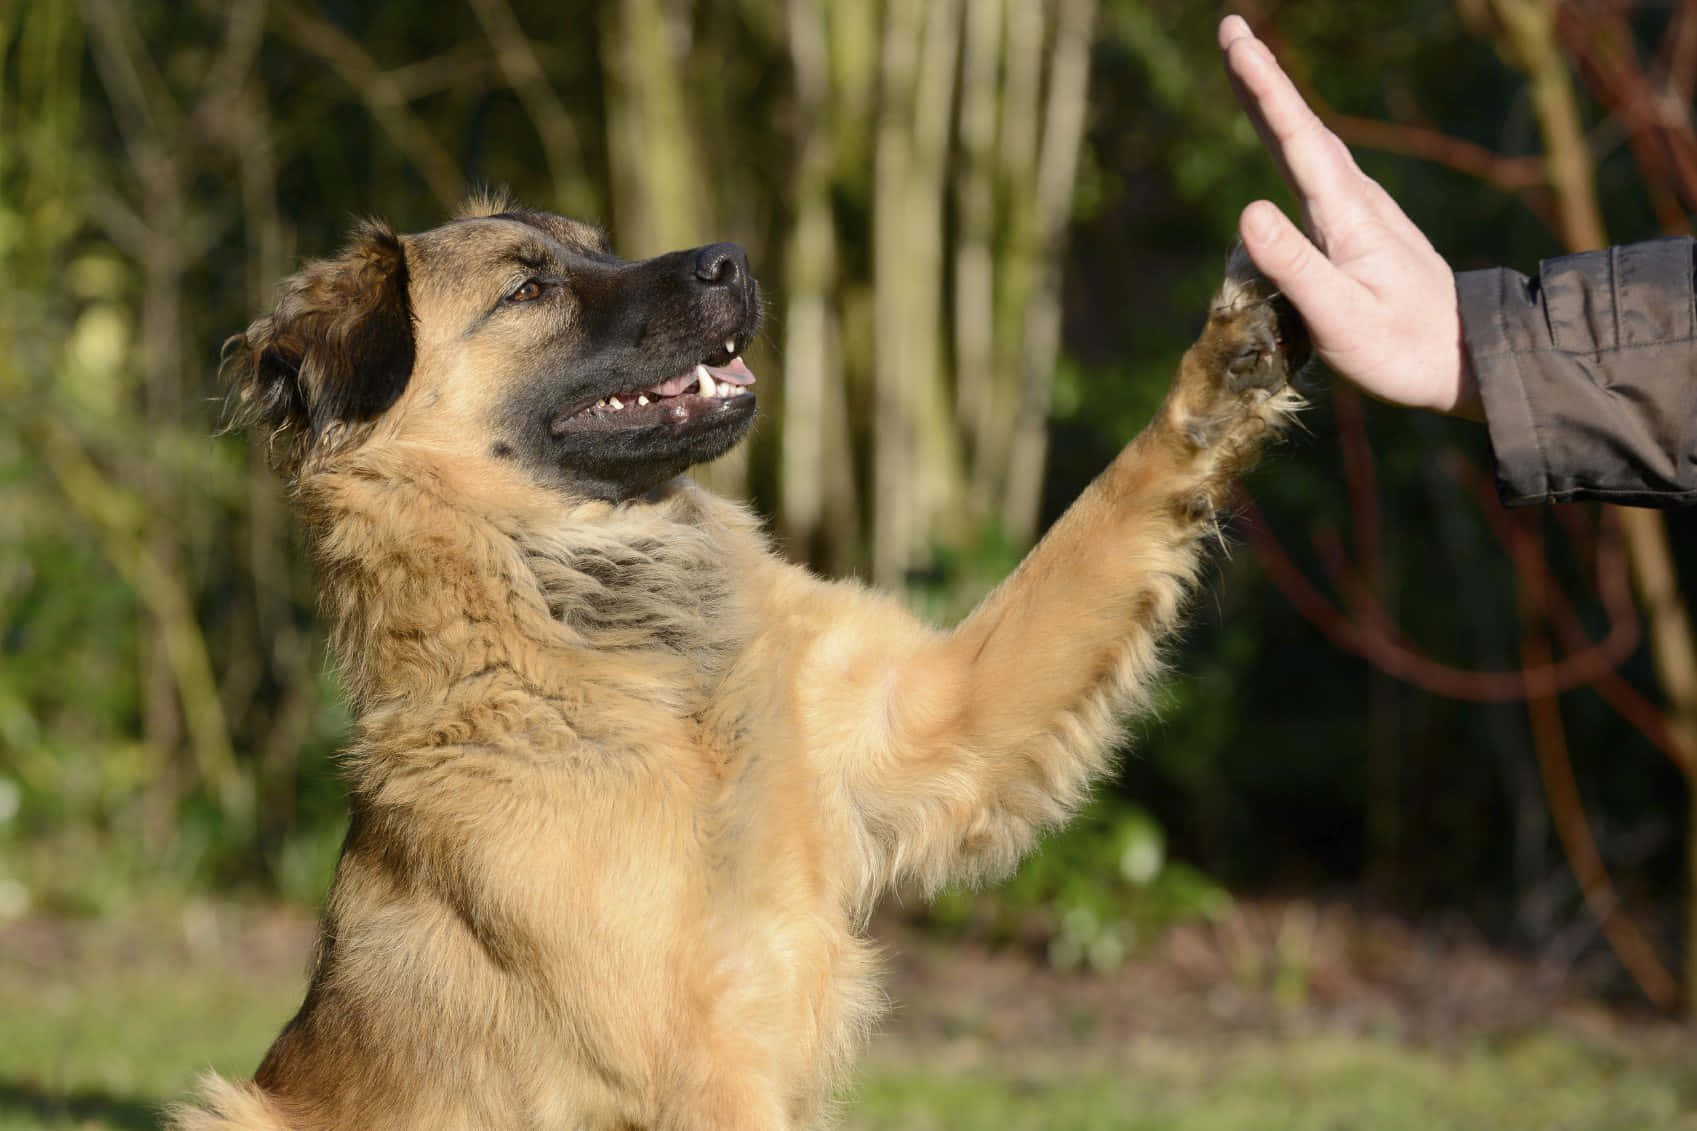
{"points": [[307, 860], [1093, 893], [961, 575], [1102, 886]]}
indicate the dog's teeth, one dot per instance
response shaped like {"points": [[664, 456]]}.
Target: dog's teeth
{"points": [[615, 402], [731, 346], [705, 382], [642, 400]]}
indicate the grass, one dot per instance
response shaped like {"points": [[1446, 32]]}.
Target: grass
{"points": [[100, 1026], [1542, 1081], [101, 1023]]}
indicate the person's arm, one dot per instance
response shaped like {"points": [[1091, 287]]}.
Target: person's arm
{"points": [[1588, 373], [1585, 375]]}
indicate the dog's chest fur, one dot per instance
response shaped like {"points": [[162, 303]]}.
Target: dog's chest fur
{"points": [[602, 672], [631, 591], [649, 591], [663, 594]]}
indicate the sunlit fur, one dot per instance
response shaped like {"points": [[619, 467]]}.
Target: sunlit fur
{"points": [[625, 785]]}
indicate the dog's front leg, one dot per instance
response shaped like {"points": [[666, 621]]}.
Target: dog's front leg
{"points": [[986, 734]]}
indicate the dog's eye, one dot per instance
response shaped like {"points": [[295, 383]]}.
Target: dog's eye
{"points": [[527, 291]]}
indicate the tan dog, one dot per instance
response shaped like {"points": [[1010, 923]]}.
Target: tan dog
{"points": [[625, 785]]}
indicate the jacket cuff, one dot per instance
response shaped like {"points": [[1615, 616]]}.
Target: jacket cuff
{"points": [[1523, 474]]}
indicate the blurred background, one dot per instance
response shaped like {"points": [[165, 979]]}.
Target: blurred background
{"points": [[1410, 841]]}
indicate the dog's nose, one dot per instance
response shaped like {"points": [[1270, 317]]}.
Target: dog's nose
{"points": [[721, 265]]}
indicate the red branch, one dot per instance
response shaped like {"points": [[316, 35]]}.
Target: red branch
{"points": [[1508, 173], [1658, 129], [1371, 637], [1613, 583], [1677, 56], [1523, 177]]}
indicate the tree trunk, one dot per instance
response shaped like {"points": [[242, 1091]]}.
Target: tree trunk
{"points": [[975, 203], [894, 523], [938, 487], [810, 364], [660, 185], [1057, 171], [1016, 170]]}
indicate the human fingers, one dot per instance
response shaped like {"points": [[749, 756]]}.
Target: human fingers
{"points": [[1233, 27], [1325, 296], [1316, 164]]}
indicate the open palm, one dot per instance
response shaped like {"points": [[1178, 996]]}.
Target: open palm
{"points": [[1378, 299]]}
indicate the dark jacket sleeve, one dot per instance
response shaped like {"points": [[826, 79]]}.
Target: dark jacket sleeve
{"points": [[1589, 374]]}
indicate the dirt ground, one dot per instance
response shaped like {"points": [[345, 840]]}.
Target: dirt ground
{"points": [[1268, 967]]}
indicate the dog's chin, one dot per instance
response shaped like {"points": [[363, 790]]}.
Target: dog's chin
{"points": [[626, 453]]}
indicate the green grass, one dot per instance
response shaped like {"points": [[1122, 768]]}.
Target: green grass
{"points": [[101, 1026], [1542, 1081], [102, 1023]]}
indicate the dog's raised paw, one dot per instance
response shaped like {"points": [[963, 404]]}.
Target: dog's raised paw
{"points": [[1258, 363], [1261, 338]]}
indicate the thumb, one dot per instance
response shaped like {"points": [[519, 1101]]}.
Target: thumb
{"points": [[1320, 292]]}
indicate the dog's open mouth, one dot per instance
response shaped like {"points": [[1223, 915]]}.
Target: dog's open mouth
{"points": [[717, 381]]}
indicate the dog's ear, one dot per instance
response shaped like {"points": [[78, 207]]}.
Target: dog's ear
{"points": [[334, 354]]}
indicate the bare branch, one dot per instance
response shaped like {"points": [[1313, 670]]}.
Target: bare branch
{"points": [[1555, 767], [1511, 174], [382, 97], [468, 65], [1603, 46], [1371, 639], [1677, 57], [517, 58], [140, 97], [244, 30]]}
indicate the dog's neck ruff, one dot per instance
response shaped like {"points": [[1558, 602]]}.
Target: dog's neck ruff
{"points": [[426, 589]]}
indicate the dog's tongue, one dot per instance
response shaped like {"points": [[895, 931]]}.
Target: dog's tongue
{"points": [[733, 371]]}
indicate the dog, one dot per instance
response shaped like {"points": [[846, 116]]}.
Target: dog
{"points": [[625, 785]]}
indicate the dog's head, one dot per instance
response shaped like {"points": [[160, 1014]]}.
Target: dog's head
{"points": [[514, 332]]}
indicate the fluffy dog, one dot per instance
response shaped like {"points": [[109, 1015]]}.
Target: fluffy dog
{"points": [[625, 785]]}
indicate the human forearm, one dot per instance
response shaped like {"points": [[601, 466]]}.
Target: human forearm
{"points": [[1588, 373]]}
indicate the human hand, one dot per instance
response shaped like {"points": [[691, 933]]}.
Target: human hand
{"points": [[1379, 301]]}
